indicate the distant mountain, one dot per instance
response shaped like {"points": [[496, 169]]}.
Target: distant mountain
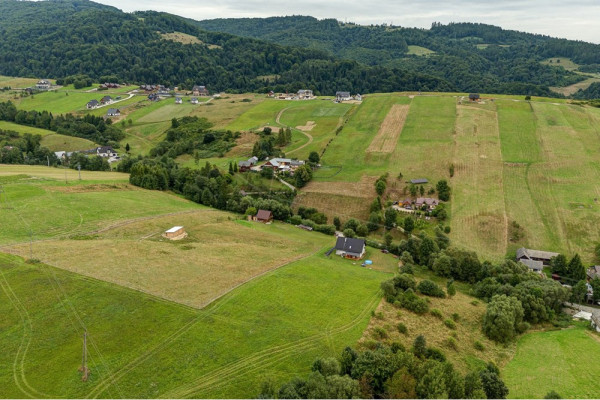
{"points": [[473, 57], [60, 38]]}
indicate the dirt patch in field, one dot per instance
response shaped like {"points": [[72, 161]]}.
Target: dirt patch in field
{"points": [[365, 188], [100, 187], [243, 145], [308, 127], [389, 131]]}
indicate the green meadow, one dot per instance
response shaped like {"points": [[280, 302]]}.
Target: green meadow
{"points": [[564, 361]]}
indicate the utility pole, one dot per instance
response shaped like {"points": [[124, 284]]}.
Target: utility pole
{"points": [[84, 367], [66, 181], [48, 158], [79, 169]]}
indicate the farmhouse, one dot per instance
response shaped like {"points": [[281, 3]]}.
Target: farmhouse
{"points": [[92, 104], [244, 166], [283, 164], [342, 96], [474, 97], [105, 151], [106, 100], [175, 232], [194, 100], [263, 216], [419, 181], [536, 255], [426, 201], [533, 265], [61, 155], [43, 84], [350, 248], [163, 91], [113, 112], [178, 100], [200, 90], [358, 97], [109, 85], [305, 94]]}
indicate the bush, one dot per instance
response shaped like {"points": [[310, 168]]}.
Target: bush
{"points": [[503, 317], [475, 303], [402, 328], [404, 282], [412, 302], [379, 333], [435, 354], [436, 313], [349, 233], [397, 347], [478, 345], [430, 288], [451, 343], [455, 317], [450, 324], [296, 220]]}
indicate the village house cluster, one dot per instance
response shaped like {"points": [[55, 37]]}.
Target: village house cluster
{"points": [[105, 101], [307, 94], [102, 151], [276, 164]]}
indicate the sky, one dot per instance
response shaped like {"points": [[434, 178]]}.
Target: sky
{"points": [[577, 20]]}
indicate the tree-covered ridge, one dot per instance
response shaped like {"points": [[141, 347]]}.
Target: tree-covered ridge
{"points": [[472, 57], [104, 41]]}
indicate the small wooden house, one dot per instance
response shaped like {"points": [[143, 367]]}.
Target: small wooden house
{"points": [[174, 232], [264, 216]]}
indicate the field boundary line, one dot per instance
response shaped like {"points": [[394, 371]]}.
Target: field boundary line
{"points": [[103, 385]]}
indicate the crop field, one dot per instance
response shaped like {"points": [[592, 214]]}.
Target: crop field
{"points": [[564, 361], [387, 137], [268, 328]]}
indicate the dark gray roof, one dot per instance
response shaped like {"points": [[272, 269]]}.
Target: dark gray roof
{"points": [[529, 253], [342, 94], [350, 245], [532, 264], [113, 111], [94, 101], [419, 181], [474, 95]]}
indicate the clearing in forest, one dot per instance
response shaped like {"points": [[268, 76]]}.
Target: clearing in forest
{"points": [[390, 129]]}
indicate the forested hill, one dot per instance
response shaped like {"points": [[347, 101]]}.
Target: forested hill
{"points": [[474, 57], [55, 39]]}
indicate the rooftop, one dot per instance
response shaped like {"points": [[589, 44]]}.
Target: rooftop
{"points": [[174, 229]]}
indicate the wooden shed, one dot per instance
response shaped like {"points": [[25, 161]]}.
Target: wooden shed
{"points": [[174, 232]]}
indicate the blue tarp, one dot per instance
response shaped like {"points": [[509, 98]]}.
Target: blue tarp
{"points": [[368, 262]]}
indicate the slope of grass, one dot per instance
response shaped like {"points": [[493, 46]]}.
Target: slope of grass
{"points": [[58, 102], [518, 132], [272, 327], [564, 361]]}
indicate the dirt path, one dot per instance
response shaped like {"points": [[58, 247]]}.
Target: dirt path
{"points": [[308, 135]]}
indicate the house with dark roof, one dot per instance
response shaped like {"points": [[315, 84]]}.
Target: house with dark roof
{"points": [[536, 255], [200, 91], [350, 248], [428, 202], [106, 100], [533, 265], [244, 166], [264, 216], [342, 96], [178, 100], [105, 151], [474, 97], [92, 104], [194, 100], [419, 181], [113, 112]]}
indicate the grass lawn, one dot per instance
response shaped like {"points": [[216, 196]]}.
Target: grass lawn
{"points": [[565, 361], [14, 82], [271, 328], [57, 102], [50, 139], [419, 51]]}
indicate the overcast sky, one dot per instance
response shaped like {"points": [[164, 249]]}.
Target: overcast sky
{"points": [[579, 20]]}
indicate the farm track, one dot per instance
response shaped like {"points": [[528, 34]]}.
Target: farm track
{"points": [[224, 375], [105, 384], [308, 135], [19, 362]]}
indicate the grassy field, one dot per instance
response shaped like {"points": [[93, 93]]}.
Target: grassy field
{"points": [[564, 62], [14, 82], [564, 361], [419, 51], [210, 261], [51, 140], [270, 328]]}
